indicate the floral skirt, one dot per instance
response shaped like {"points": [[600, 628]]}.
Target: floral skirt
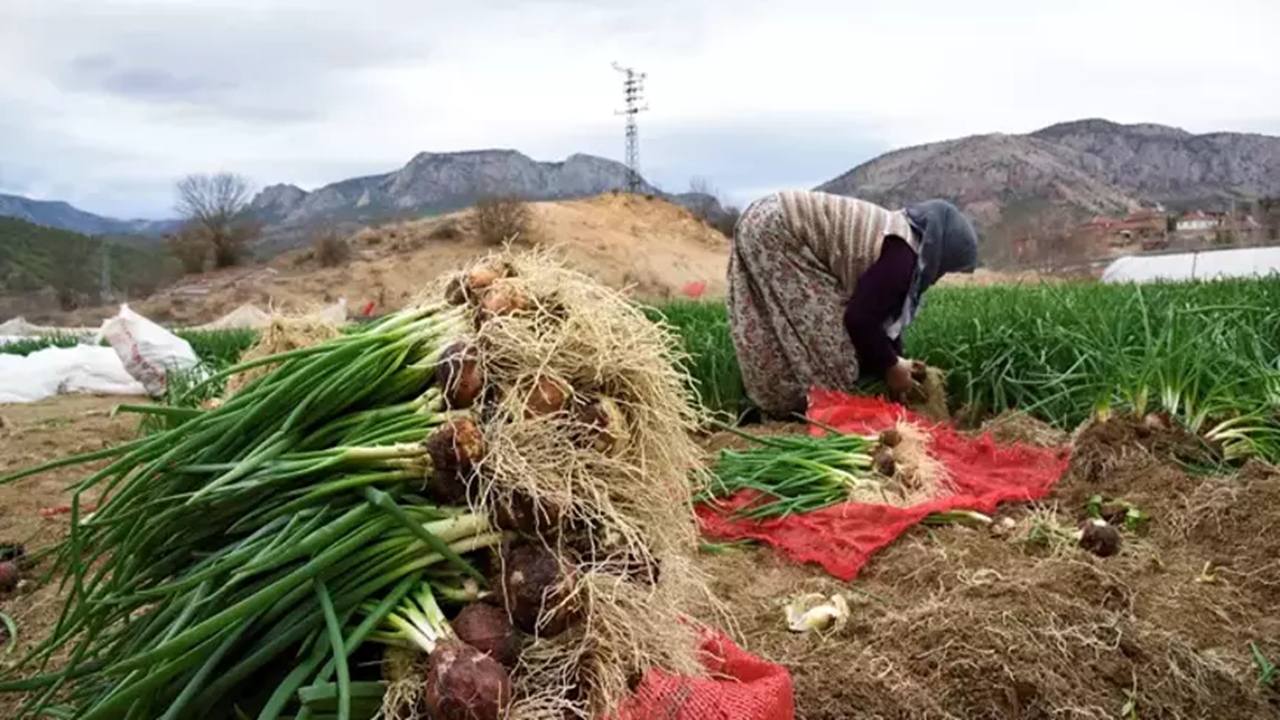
{"points": [[786, 314]]}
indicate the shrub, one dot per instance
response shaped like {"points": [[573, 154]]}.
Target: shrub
{"points": [[502, 218], [190, 247], [447, 230], [726, 220], [331, 249]]}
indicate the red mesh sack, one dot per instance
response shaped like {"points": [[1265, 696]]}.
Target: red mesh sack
{"points": [[842, 538], [739, 686]]}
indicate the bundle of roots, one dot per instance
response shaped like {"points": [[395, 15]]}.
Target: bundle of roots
{"points": [[576, 441]]}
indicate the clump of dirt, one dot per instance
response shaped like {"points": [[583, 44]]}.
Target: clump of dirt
{"points": [[931, 399], [1100, 446]]}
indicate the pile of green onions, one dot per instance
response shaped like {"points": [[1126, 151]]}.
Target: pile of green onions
{"points": [[789, 474], [239, 558]]}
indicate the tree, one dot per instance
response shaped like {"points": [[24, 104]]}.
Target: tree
{"points": [[503, 218], [703, 198], [215, 208], [190, 247], [73, 268]]}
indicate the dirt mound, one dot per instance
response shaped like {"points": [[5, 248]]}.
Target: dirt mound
{"points": [[1100, 447], [960, 623]]}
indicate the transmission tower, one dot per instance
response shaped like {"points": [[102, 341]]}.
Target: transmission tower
{"points": [[633, 89]]}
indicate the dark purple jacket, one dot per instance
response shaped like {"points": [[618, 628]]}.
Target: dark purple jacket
{"points": [[879, 296]]}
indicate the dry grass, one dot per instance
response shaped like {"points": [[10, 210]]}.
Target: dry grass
{"points": [[282, 334]]}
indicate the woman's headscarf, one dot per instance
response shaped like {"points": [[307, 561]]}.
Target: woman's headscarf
{"points": [[948, 243]]}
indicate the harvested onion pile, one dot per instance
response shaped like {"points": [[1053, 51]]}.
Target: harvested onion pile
{"points": [[786, 474], [471, 509]]}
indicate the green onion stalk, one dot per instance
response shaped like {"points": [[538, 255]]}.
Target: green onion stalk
{"points": [[795, 473], [237, 546]]}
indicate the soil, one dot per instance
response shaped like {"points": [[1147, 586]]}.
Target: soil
{"points": [[30, 509], [947, 622], [958, 623]]}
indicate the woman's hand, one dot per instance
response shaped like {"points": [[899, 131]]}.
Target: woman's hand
{"points": [[901, 377]]}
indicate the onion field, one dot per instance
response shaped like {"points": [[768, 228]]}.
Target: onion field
{"points": [[1206, 353]]}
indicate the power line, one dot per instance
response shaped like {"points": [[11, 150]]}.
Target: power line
{"points": [[633, 89]]}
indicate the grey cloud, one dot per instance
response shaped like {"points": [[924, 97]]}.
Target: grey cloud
{"points": [[277, 63], [146, 83]]}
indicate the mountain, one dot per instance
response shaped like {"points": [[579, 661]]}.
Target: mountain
{"points": [[38, 260], [1171, 166], [58, 214], [434, 183], [1063, 173]]}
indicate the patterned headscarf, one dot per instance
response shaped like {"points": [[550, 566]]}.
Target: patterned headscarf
{"points": [[948, 243]]}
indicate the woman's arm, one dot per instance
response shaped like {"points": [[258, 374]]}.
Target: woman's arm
{"points": [[878, 297]]}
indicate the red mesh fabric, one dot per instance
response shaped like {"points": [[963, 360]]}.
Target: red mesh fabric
{"points": [[842, 538], [739, 686]]}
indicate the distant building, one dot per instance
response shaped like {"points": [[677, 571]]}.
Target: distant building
{"points": [[1141, 225], [1197, 221]]}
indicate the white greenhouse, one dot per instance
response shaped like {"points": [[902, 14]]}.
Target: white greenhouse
{"points": [[1198, 265]]}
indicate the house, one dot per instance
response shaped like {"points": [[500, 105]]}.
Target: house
{"points": [[1143, 224], [1197, 221]]}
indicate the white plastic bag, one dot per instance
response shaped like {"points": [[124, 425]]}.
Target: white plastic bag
{"points": [[52, 371], [147, 350]]}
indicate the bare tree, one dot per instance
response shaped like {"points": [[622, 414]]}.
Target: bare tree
{"points": [[217, 205], [703, 198], [503, 218]]}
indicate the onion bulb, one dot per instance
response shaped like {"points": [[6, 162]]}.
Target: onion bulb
{"points": [[547, 396], [532, 588], [891, 437], [464, 683], [9, 576], [489, 630], [605, 424], [1100, 538], [458, 376], [454, 450], [884, 462]]}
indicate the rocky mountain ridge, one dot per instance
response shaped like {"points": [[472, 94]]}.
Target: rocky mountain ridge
{"points": [[1066, 172]]}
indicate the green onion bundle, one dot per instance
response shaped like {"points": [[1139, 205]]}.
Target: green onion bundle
{"points": [[801, 473], [461, 511], [263, 541]]}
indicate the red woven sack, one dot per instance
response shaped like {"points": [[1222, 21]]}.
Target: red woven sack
{"points": [[739, 686]]}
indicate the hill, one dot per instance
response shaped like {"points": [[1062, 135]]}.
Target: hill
{"points": [[61, 215], [1066, 172], [650, 247], [436, 183], [67, 267]]}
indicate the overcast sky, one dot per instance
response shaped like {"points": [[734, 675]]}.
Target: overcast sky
{"points": [[104, 103]]}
